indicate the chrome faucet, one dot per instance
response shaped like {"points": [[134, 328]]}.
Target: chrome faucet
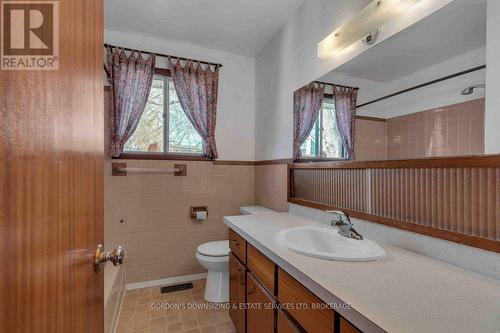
{"points": [[345, 225]]}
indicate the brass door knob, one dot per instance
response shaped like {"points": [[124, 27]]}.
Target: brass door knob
{"points": [[117, 257]]}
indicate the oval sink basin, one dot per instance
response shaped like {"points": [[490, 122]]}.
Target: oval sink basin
{"points": [[326, 243]]}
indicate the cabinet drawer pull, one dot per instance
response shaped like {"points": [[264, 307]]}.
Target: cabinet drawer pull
{"points": [[250, 290], [235, 242]]}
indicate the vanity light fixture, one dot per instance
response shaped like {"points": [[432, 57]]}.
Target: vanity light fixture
{"points": [[369, 19]]}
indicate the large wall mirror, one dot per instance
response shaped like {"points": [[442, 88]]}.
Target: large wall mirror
{"points": [[420, 94]]}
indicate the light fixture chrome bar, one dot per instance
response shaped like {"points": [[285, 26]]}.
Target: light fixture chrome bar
{"points": [[373, 16]]}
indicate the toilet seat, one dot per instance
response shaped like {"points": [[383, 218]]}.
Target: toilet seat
{"points": [[214, 249], [211, 259]]}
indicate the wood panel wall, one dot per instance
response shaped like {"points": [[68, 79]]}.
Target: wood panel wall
{"points": [[343, 188], [436, 198]]}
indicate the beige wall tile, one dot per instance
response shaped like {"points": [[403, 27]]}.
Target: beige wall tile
{"points": [[447, 131], [157, 232], [370, 143], [271, 186]]}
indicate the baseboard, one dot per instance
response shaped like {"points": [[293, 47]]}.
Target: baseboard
{"points": [[167, 281]]}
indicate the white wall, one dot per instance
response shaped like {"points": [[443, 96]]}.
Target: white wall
{"points": [[235, 130], [492, 112], [441, 94], [290, 61]]}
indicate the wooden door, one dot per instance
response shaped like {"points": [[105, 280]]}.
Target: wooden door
{"points": [[237, 290], [51, 183], [260, 312]]}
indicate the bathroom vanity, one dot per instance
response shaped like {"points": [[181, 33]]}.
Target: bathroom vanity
{"points": [[256, 306], [274, 289]]}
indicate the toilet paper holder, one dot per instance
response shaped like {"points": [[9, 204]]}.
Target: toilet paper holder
{"points": [[199, 209]]}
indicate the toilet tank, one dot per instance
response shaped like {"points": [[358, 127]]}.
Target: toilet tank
{"points": [[255, 210]]}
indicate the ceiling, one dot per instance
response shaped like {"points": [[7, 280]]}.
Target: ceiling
{"points": [[242, 27], [458, 28]]}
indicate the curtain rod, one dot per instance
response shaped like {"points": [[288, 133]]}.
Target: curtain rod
{"points": [[467, 71], [333, 84], [162, 55]]}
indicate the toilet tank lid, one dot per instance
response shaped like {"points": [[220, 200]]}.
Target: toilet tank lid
{"points": [[214, 249], [253, 210]]}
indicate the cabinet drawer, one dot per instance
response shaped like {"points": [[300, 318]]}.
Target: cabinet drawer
{"points": [[285, 325], [347, 327], [260, 312], [292, 292], [261, 267], [238, 246]]}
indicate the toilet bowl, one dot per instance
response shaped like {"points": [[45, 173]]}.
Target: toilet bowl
{"points": [[214, 256]]}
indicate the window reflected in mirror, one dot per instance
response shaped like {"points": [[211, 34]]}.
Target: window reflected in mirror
{"points": [[324, 140]]}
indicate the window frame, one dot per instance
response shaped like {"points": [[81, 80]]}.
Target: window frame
{"points": [[320, 142], [164, 155]]}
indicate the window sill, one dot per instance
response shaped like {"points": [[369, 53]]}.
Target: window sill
{"points": [[307, 160], [171, 157]]}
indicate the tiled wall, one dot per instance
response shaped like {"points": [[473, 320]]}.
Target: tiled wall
{"points": [[159, 237], [451, 130], [157, 232], [371, 143], [271, 186]]}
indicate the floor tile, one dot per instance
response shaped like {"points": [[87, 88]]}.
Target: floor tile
{"points": [[147, 310]]}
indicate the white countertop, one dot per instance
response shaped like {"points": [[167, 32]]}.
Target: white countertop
{"points": [[405, 292]]}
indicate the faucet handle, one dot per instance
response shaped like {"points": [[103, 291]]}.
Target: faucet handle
{"points": [[338, 212], [345, 225], [343, 218], [338, 223]]}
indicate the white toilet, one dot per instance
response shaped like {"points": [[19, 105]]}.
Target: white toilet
{"points": [[214, 256]]}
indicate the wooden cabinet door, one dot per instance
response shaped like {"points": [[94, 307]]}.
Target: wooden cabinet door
{"points": [[347, 327], [51, 176], [260, 312], [237, 291], [290, 291], [261, 267], [285, 325]]}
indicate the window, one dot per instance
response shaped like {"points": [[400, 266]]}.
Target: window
{"points": [[164, 127], [324, 140]]}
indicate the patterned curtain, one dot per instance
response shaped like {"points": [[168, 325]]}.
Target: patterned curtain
{"points": [[131, 78], [307, 103], [345, 110], [197, 90]]}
